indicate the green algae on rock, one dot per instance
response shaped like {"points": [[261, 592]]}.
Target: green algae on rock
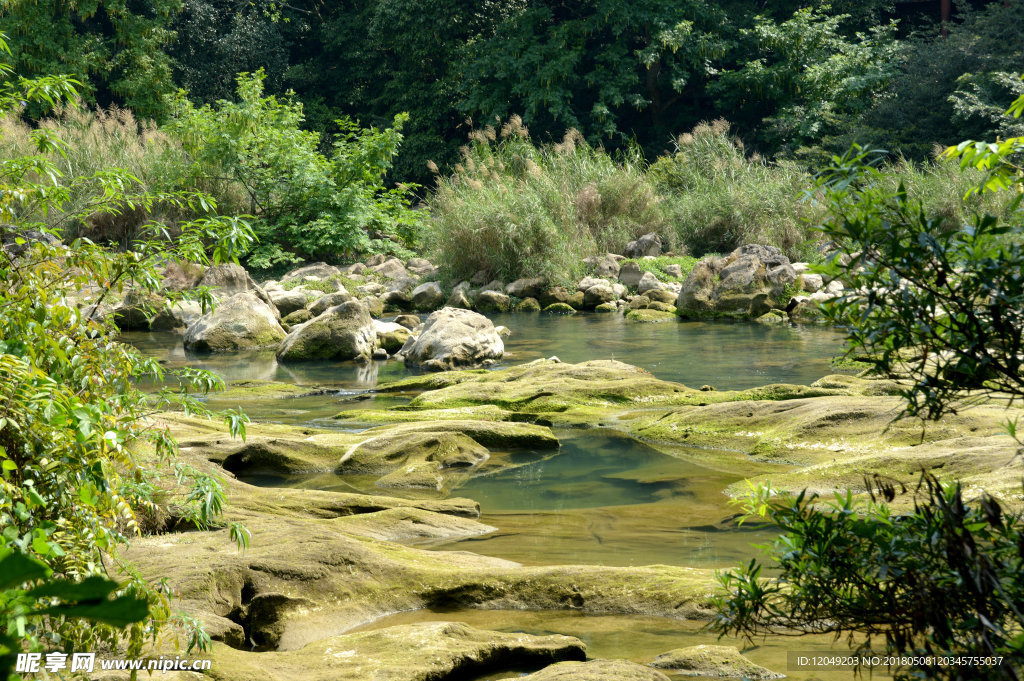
{"points": [[414, 652], [713, 661], [597, 670], [650, 315]]}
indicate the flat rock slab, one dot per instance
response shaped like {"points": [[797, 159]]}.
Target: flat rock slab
{"points": [[414, 652], [597, 670], [713, 661]]}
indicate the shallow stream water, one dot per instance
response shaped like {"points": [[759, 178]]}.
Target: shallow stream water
{"points": [[604, 498]]}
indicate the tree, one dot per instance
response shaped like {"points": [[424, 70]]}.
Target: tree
{"points": [[802, 78], [76, 476], [116, 49]]}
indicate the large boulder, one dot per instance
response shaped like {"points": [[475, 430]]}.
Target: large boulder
{"points": [[608, 266], [390, 335], [648, 244], [287, 302], [239, 322], [598, 294], [230, 278], [392, 268], [493, 301], [453, 338], [648, 282], [179, 316], [427, 296], [738, 285], [630, 274], [526, 288], [317, 270], [343, 332], [328, 301]]}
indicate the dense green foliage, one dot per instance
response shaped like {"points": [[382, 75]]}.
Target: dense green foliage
{"points": [[946, 579], [77, 477], [938, 304], [307, 204]]}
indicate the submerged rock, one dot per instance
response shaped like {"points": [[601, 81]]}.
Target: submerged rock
{"points": [[240, 322], [343, 332], [713, 661], [453, 338]]}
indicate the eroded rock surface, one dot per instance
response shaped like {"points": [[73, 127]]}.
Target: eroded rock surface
{"points": [[713, 661]]}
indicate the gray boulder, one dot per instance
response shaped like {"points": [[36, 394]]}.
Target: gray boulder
{"points": [[242, 321], [737, 285], [390, 336], [452, 338], [493, 301], [811, 282], [598, 294], [392, 268], [180, 315], [427, 296], [608, 267], [648, 244], [328, 301], [459, 298], [317, 270], [228, 279], [648, 282], [396, 300], [553, 295], [526, 288], [630, 275], [287, 302], [342, 332]]}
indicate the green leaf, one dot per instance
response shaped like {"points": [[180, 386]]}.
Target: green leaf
{"points": [[94, 588], [118, 613], [16, 568]]}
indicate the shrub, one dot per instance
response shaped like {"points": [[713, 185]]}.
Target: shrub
{"points": [[515, 209], [307, 205], [719, 199]]}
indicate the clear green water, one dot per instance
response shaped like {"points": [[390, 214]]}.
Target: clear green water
{"points": [[723, 354]]}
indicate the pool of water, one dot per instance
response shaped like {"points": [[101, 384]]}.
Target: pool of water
{"points": [[727, 355]]}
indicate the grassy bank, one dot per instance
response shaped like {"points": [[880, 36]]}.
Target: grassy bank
{"points": [[515, 208]]}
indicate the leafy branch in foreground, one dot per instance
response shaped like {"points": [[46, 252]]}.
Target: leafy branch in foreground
{"points": [[75, 481], [929, 300], [946, 579]]}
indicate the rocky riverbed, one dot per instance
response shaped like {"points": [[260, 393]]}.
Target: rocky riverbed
{"points": [[441, 520]]}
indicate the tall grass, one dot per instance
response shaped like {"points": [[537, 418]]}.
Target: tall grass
{"points": [[98, 140], [719, 198], [515, 209]]}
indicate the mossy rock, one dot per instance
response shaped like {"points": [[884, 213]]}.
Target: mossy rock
{"points": [[411, 652], [544, 386], [713, 661], [771, 318], [560, 308], [606, 307], [597, 670], [297, 317], [527, 305], [650, 315]]}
